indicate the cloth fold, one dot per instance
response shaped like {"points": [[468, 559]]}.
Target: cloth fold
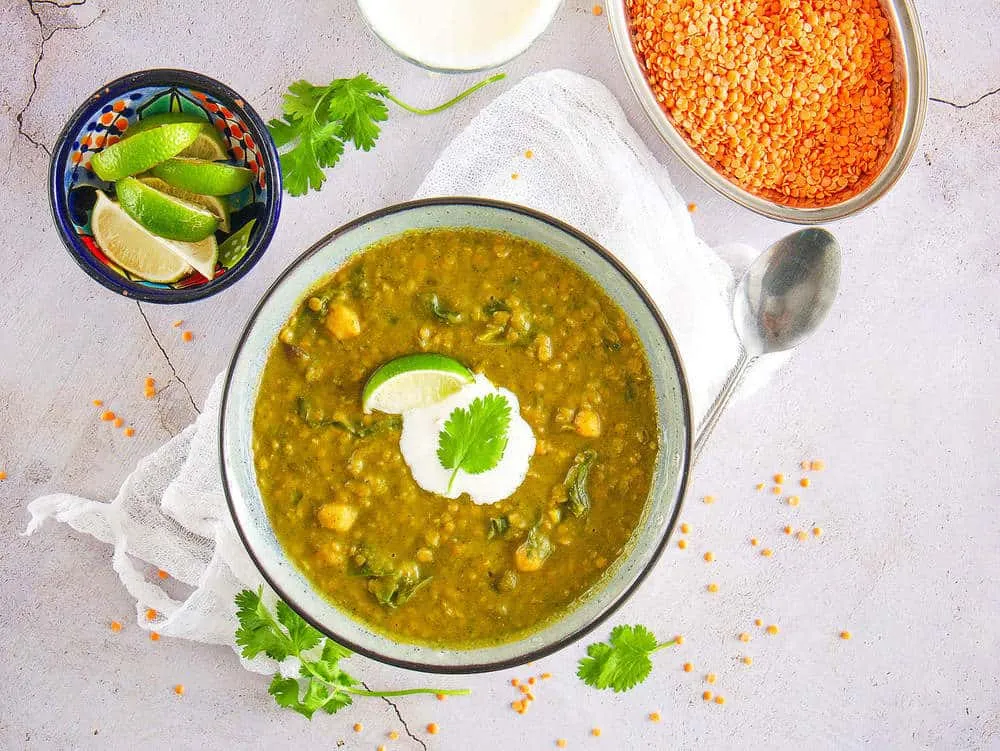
{"points": [[557, 142]]}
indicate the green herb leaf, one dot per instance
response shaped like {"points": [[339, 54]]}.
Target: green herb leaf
{"points": [[359, 430], [442, 313], [575, 484], [622, 664], [284, 634], [317, 121], [474, 438]]}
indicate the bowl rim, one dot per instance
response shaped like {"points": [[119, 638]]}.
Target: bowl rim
{"points": [[59, 207], [683, 475], [908, 45]]}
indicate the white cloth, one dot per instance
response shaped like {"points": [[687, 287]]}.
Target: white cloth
{"points": [[590, 169]]}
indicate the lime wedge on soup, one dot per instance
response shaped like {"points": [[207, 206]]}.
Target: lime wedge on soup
{"points": [[413, 381], [143, 150]]}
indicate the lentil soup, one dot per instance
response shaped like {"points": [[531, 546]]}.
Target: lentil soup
{"points": [[415, 565]]}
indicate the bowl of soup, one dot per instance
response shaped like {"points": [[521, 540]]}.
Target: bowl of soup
{"points": [[351, 509]]}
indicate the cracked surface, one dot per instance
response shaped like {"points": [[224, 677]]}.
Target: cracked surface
{"points": [[166, 357], [900, 378], [46, 31]]}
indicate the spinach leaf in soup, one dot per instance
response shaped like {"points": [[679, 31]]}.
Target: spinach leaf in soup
{"points": [[575, 484], [439, 310], [498, 528], [356, 429]]}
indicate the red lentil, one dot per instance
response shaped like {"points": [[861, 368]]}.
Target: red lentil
{"points": [[772, 629], [151, 615], [393, 735], [804, 482], [682, 544], [654, 716], [154, 636], [710, 678], [801, 536], [709, 499], [118, 422], [358, 727], [116, 626], [791, 101], [688, 667], [845, 635], [178, 324], [108, 416], [98, 402], [720, 700], [432, 728], [816, 465], [129, 432], [596, 732], [162, 574], [793, 500], [187, 336], [692, 207], [706, 695], [747, 660], [561, 743], [779, 478], [817, 531], [528, 154], [713, 587], [179, 689], [685, 528], [597, 10]]}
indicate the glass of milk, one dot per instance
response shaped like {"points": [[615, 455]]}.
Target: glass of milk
{"points": [[458, 35]]}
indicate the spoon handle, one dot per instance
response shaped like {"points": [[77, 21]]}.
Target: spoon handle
{"points": [[718, 406]]}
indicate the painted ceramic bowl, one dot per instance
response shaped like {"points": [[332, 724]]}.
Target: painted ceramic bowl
{"points": [[673, 416], [105, 117]]}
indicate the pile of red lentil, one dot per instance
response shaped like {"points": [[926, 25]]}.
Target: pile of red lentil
{"points": [[790, 99]]}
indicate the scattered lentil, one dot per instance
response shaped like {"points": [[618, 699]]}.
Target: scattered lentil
{"points": [[688, 667], [596, 732], [358, 727], [713, 587], [787, 530], [709, 499], [804, 482], [816, 465], [108, 416], [654, 716], [118, 422], [528, 154], [759, 486], [561, 743], [679, 639], [381, 747], [116, 626], [682, 544], [706, 695], [692, 207], [129, 432], [98, 402], [440, 697], [178, 324], [744, 637], [817, 531], [793, 500], [779, 478], [709, 556], [767, 552], [747, 660], [187, 336], [801, 536], [546, 676], [151, 615], [513, 175], [845, 635], [162, 574], [597, 10], [772, 629], [710, 678], [720, 700], [685, 528], [804, 464], [393, 735], [179, 689], [531, 681], [754, 541], [432, 728], [776, 490], [154, 636], [758, 622]]}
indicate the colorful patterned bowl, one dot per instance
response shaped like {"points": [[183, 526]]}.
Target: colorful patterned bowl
{"points": [[105, 117]]}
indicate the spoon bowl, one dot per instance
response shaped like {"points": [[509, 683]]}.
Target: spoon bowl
{"points": [[782, 298]]}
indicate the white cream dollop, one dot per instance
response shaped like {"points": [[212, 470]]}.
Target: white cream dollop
{"points": [[419, 443]]}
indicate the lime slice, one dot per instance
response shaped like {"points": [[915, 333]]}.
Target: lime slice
{"points": [[142, 151], [164, 215], [413, 381], [208, 145], [131, 246], [200, 176], [203, 255], [213, 204], [235, 246]]}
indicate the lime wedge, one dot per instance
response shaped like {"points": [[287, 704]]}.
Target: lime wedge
{"points": [[163, 215], [200, 176], [211, 203], [131, 246], [140, 152], [208, 145], [413, 381], [203, 255]]}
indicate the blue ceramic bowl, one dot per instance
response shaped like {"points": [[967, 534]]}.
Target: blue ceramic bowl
{"points": [[105, 117]]}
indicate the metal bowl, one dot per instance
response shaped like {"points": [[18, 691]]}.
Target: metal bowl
{"points": [[670, 474], [910, 85]]}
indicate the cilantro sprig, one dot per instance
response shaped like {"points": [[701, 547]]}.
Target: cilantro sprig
{"points": [[624, 662], [475, 437], [318, 121], [322, 684]]}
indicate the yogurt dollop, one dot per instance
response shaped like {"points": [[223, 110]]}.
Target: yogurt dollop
{"points": [[419, 443]]}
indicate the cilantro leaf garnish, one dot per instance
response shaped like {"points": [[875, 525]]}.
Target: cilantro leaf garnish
{"points": [[317, 121], [323, 684], [624, 662], [475, 437]]}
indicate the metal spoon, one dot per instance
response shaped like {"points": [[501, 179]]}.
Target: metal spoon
{"points": [[783, 297]]}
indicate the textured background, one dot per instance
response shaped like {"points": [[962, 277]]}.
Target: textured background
{"points": [[898, 394]]}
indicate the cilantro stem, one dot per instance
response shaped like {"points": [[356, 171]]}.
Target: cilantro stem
{"points": [[451, 102], [410, 692], [670, 643]]}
